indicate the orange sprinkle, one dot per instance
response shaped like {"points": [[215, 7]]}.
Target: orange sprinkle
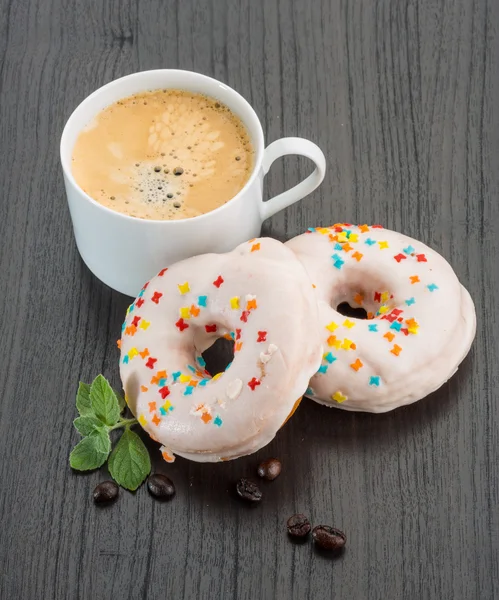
{"points": [[206, 417], [254, 248], [347, 247], [194, 310], [358, 364], [152, 406], [357, 256], [363, 228], [358, 298], [389, 336], [168, 457], [131, 330], [353, 346], [144, 353], [414, 279], [156, 420], [238, 346], [251, 304], [412, 323], [143, 388], [396, 350], [193, 383], [370, 315], [118, 343]]}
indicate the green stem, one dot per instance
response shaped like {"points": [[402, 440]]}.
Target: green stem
{"points": [[124, 423]]}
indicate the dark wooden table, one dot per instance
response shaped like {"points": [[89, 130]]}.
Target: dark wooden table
{"points": [[403, 97]]}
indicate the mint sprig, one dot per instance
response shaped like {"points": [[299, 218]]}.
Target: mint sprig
{"points": [[101, 411]]}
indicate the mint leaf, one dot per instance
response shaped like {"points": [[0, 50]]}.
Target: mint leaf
{"points": [[121, 402], [104, 402], [85, 425], [83, 403], [91, 452], [129, 463]]}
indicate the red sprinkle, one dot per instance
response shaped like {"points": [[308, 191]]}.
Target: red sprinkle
{"points": [[136, 321], [238, 334], [253, 383], [181, 324], [162, 272], [400, 257], [150, 362], [210, 328], [262, 336], [218, 281], [164, 391], [244, 316], [139, 302], [421, 257], [156, 296]]}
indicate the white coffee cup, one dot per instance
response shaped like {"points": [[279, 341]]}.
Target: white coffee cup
{"points": [[124, 252]]}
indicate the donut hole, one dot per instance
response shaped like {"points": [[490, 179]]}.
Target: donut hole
{"points": [[346, 310], [218, 356]]}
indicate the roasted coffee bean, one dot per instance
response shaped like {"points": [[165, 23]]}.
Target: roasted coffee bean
{"points": [[269, 469], [329, 538], [248, 490], [107, 491], [298, 526], [160, 486]]}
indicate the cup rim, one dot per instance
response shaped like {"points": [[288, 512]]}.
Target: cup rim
{"points": [[65, 162]]}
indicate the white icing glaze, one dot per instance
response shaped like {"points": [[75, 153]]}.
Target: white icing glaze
{"points": [[407, 350], [266, 304]]}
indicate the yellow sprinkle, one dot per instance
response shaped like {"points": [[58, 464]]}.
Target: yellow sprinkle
{"points": [[383, 310], [144, 324], [126, 399], [234, 302], [185, 312], [332, 326], [184, 378], [132, 352], [217, 376], [385, 296], [339, 397], [332, 341], [383, 245], [349, 324], [183, 288], [323, 230], [167, 405], [346, 344], [354, 237], [412, 330], [142, 420], [342, 237]]}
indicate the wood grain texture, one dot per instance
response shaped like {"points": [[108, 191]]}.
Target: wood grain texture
{"points": [[402, 95]]}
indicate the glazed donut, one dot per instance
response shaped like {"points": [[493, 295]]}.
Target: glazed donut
{"points": [[420, 320], [259, 296]]}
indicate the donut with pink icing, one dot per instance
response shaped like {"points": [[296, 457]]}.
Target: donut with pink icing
{"points": [[259, 296], [420, 321]]}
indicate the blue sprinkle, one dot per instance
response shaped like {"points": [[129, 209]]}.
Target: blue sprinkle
{"points": [[348, 233], [203, 382], [228, 366], [217, 421], [409, 250], [374, 380], [131, 307], [432, 287], [162, 411], [312, 229], [396, 325], [410, 301], [373, 327], [176, 375], [329, 357], [338, 246], [309, 391], [202, 300], [202, 361], [162, 382], [125, 359], [232, 335], [188, 390], [141, 293], [323, 369], [370, 242], [123, 327], [191, 368]]}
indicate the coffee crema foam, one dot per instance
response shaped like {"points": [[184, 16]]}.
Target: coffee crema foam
{"points": [[164, 154]]}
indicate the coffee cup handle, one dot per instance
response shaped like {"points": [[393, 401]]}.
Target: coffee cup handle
{"points": [[283, 147]]}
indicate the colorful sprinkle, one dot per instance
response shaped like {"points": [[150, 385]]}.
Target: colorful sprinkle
{"points": [[389, 336], [217, 421], [357, 256], [244, 316], [202, 300], [139, 302], [255, 247], [432, 287], [332, 326], [373, 327], [206, 417], [218, 281], [262, 336], [156, 297], [421, 258], [183, 288], [329, 357], [374, 380], [181, 324], [164, 392], [396, 350], [142, 420], [339, 397], [194, 310], [358, 364], [144, 353], [234, 303], [348, 324], [188, 390], [210, 328], [414, 279], [151, 362], [410, 302], [370, 242], [399, 257], [323, 369], [253, 383]]}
